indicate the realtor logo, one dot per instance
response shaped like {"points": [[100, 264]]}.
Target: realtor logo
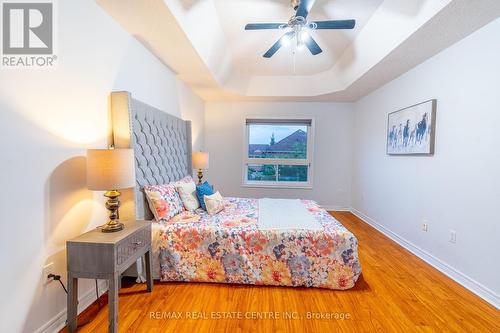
{"points": [[28, 29]]}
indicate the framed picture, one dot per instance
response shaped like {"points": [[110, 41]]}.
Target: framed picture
{"points": [[411, 131]]}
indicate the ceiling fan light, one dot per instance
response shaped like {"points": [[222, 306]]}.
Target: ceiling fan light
{"points": [[304, 36], [285, 41]]}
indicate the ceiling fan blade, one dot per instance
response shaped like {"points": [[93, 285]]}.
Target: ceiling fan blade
{"points": [[304, 8], [339, 24], [276, 46], [312, 46], [262, 26]]}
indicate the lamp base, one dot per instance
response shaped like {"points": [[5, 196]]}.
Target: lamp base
{"points": [[200, 176], [112, 227], [112, 205]]}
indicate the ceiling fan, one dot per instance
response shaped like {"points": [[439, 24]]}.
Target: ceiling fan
{"points": [[297, 29]]}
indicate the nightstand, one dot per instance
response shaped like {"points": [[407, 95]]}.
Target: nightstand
{"points": [[99, 255]]}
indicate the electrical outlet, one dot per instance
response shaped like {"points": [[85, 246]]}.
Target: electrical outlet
{"points": [[425, 225], [48, 269], [453, 236]]}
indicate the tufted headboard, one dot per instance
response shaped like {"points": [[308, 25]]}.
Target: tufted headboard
{"points": [[161, 143]]}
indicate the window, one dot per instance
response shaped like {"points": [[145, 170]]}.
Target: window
{"points": [[278, 152]]}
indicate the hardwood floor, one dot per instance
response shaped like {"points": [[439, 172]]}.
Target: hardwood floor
{"points": [[397, 292]]}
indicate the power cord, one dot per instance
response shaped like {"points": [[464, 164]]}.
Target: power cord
{"points": [[57, 278]]}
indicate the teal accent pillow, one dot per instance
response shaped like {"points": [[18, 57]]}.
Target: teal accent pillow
{"points": [[202, 190]]}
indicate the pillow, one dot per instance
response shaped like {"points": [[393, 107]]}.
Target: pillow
{"points": [[164, 201], [185, 180], [202, 190], [214, 203], [187, 192]]}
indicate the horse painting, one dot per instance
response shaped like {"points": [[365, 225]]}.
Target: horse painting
{"points": [[411, 130]]}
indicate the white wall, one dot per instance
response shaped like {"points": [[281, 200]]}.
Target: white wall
{"points": [[224, 128], [48, 118], [193, 108], [458, 188]]}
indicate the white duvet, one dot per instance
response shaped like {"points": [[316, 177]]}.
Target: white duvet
{"points": [[285, 214]]}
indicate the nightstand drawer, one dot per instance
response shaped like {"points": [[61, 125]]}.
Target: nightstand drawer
{"points": [[130, 245]]}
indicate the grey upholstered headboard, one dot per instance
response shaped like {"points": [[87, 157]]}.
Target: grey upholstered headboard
{"points": [[161, 143]]}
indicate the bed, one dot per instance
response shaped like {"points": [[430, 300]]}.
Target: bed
{"points": [[233, 246]]}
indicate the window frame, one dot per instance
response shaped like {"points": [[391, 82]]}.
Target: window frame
{"points": [[274, 161]]}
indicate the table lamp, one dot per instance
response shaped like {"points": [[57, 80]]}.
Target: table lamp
{"points": [[111, 170], [200, 162]]}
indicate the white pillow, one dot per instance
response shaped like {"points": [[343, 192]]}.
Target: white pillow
{"points": [[187, 192], [214, 203]]}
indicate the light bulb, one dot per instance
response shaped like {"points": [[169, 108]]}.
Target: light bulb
{"points": [[304, 36], [285, 41]]}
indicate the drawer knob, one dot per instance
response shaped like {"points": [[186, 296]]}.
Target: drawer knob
{"points": [[137, 243]]}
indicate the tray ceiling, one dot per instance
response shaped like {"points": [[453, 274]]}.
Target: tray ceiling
{"points": [[205, 43]]}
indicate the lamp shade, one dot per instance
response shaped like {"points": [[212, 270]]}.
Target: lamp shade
{"points": [[200, 160], [110, 169]]}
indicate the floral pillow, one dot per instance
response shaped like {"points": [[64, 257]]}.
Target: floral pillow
{"points": [[164, 201], [185, 180], [187, 192], [214, 203]]}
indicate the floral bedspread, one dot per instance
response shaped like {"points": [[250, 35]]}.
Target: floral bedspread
{"points": [[229, 247]]}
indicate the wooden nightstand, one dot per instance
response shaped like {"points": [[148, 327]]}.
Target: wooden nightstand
{"points": [[99, 255]]}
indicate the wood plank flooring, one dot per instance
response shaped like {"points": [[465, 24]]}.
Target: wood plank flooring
{"points": [[397, 292]]}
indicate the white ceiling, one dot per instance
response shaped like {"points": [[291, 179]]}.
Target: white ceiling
{"points": [[247, 47], [205, 43]]}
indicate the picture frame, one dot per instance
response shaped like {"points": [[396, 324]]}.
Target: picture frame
{"points": [[412, 130]]}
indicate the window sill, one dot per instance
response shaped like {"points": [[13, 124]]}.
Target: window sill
{"points": [[280, 186]]}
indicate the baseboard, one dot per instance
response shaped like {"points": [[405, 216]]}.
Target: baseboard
{"points": [[477, 288], [59, 321], [336, 208]]}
